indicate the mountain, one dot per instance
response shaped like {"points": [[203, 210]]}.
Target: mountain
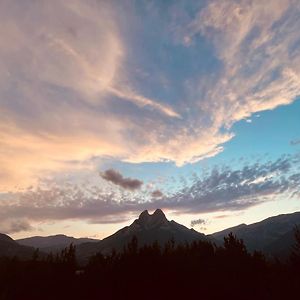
{"points": [[53, 243], [10, 248], [273, 236], [148, 229]]}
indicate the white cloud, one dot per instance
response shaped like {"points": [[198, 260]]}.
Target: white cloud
{"points": [[257, 44]]}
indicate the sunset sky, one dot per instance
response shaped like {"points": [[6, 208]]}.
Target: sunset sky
{"points": [[108, 108]]}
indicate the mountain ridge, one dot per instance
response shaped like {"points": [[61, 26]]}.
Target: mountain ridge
{"points": [[53, 243], [273, 236], [265, 235]]}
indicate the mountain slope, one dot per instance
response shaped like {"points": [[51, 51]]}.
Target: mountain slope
{"points": [[273, 235], [10, 248], [52, 243], [148, 229]]}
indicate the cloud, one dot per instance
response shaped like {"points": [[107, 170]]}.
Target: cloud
{"points": [[61, 77], [265, 35], [236, 88], [198, 222], [70, 90], [221, 189], [144, 101], [71, 202], [15, 226], [157, 194], [295, 142], [229, 189], [117, 178], [49, 66], [221, 216]]}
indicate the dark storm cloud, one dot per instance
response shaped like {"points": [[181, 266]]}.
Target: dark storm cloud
{"points": [[118, 179]]}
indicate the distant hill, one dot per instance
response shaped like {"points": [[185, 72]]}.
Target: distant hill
{"points": [[10, 248], [274, 235], [148, 229], [53, 243]]}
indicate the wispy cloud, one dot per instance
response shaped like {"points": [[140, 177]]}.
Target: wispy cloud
{"points": [[295, 142], [256, 43], [15, 226], [222, 189], [229, 189], [69, 89]]}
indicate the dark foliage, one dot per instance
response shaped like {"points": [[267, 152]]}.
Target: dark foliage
{"points": [[199, 270]]}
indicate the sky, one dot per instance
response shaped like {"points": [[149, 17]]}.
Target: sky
{"points": [[109, 108]]}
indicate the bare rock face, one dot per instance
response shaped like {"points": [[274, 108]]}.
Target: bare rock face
{"points": [[144, 217], [148, 221]]}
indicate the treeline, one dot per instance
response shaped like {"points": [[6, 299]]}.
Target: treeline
{"points": [[200, 270]]}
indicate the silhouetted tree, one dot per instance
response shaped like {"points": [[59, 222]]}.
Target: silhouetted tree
{"points": [[173, 271], [233, 245]]}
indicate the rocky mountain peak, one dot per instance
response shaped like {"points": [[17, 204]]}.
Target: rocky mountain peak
{"points": [[159, 215], [148, 220], [144, 216]]}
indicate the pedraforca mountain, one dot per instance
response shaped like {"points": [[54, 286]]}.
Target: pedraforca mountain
{"points": [[148, 228], [148, 221]]}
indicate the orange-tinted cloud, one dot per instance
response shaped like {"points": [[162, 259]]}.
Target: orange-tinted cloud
{"points": [[67, 93]]}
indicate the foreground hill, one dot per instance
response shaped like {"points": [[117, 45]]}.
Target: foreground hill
{"points": [[53, 243], [10, 248], [273, 235], [148, 229]]}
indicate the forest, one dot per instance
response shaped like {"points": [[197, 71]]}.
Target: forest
{"points": [[199, 270]]}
